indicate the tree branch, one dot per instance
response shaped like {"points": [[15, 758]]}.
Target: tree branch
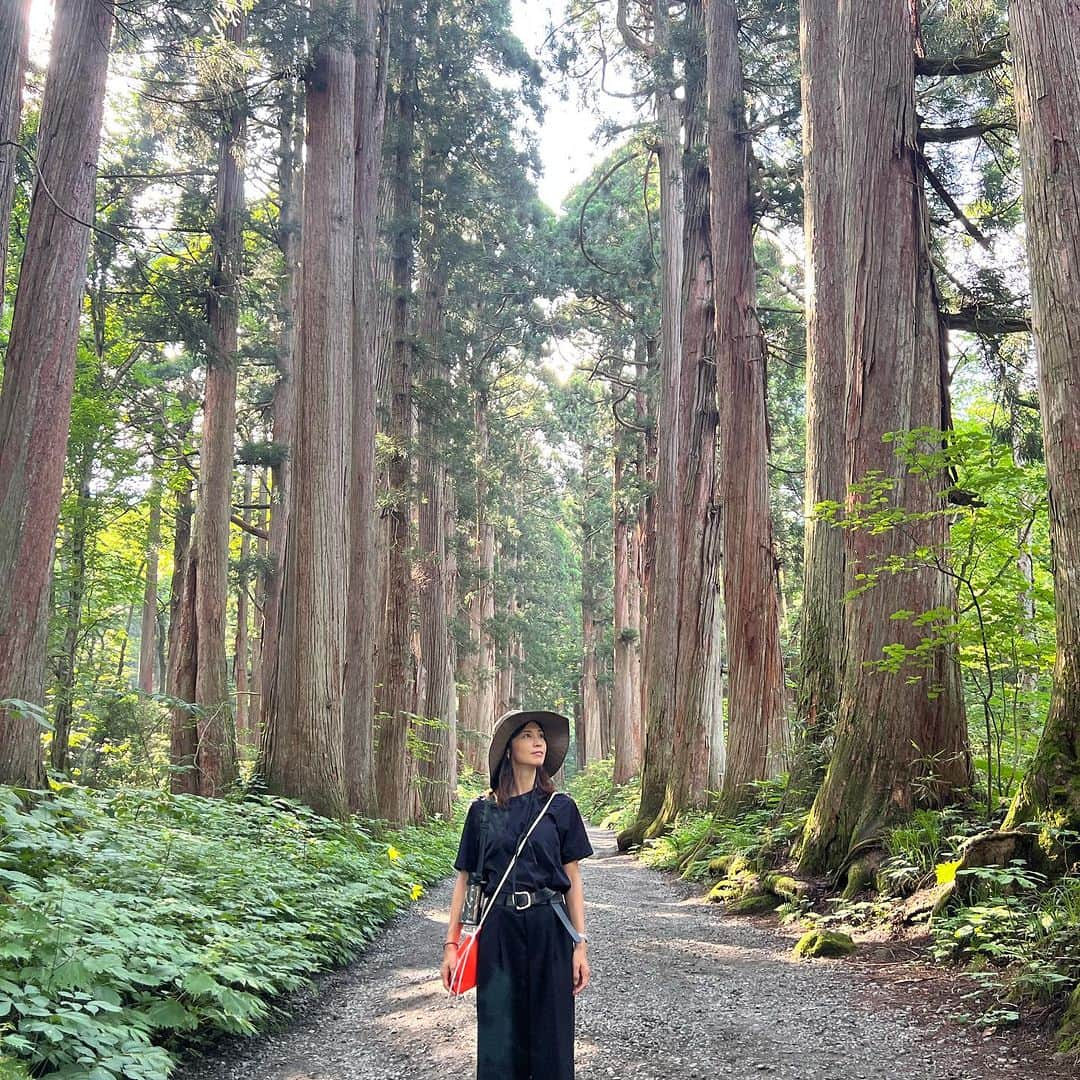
{"points": [[959, 65], [634, 41], [240, 523], [969, 226], [979, 320], [959, 134]]}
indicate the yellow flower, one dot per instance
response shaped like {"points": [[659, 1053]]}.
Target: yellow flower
{"points": [[417, 892], [393, 853]]}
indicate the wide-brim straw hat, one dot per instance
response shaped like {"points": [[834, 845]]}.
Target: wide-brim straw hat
{"points": [[556, 732]]}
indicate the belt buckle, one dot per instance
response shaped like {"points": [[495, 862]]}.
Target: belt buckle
{"points": [[528, 900]]}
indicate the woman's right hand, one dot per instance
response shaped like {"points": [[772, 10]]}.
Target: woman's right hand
{"points": [[449, 958]]}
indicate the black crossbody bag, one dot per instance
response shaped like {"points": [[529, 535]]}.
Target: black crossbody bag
{"points": [[474, 894]]}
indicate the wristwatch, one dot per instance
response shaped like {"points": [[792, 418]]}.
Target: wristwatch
{"points": [[583, 937]]}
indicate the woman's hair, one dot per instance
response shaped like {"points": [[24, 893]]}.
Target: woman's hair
{"points": [[504, 783]]}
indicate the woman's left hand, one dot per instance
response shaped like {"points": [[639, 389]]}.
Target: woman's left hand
{"points": [[581, 968]]}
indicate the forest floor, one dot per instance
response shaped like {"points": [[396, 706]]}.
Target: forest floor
{"points": [[679, 991]]}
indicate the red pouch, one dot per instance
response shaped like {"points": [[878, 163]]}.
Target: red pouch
{"points": [[463, 975]]}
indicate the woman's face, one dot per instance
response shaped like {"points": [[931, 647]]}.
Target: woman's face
{"points": [[529, 745]]}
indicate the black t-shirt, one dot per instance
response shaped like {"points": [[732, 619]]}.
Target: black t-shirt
{"points": [[559, 838]]}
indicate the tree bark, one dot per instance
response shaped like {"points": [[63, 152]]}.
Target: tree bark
{"points": [[215, 756], [1046, 49], [663, 613], [822, 621], [395, 769], [302, 750], [899, 742], [14, 44], [364, 615], [757, 727], [148, 625], [39, 368], [699, 520], [290, 196]]}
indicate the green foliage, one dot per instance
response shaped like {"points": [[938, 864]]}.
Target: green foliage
{"points": [[919, 848], [998, 560], [1019, 934], [600, 801], [134, 919]]}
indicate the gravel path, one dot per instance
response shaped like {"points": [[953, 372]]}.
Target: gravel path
{"points": [[679, 992]]}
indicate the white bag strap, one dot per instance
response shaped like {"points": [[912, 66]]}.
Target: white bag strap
{"points": [[510, 865]]}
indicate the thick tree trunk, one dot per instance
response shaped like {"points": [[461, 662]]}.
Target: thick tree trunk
{"points": [[14, 42], [215, 757], [822, 631], [291, 196], [1046, 46], [660, 663], [148, 625], [899, 742], [39, 367], [364, 614], [65, 676], [699, 519], [395, 769], [757, 727], [302, 752]]}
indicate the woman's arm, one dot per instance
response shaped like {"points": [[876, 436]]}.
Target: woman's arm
{"points": [[575, 908], [453, 928]]}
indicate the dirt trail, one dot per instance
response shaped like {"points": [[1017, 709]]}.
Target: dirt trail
{"points": [[679, 992]]}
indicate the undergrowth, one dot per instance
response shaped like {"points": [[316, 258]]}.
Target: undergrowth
{"points": [[133, 921], [1016, 933]]}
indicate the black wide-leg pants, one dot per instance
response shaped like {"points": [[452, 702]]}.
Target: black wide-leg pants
{"points": [[524, 997]]}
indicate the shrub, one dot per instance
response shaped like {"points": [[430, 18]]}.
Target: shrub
{"points": [[135, 919]]}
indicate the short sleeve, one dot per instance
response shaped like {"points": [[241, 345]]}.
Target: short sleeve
{"points": [[468, 848], [573, 839]]}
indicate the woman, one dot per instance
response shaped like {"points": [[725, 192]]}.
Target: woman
{"points": [[532, 957]]}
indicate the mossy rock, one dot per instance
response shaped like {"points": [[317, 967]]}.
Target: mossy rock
{"points": [[861, 875], [754, 904], [728, 865], [824, 943], [786, 887], [1069, 1032]]}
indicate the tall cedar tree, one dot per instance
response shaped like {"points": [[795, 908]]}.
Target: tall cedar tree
{"points": [[1046, 49], [436, 585], [395, 681], [14, 41], [290, 170], [363, 614], [757, 726], [660, 665], [39, 369], [302, 753], [900, 742], [821, 650], [698, 523], [207, 765]]}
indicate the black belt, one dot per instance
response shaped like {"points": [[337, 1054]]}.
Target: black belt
{"points": [[523, 900]]}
